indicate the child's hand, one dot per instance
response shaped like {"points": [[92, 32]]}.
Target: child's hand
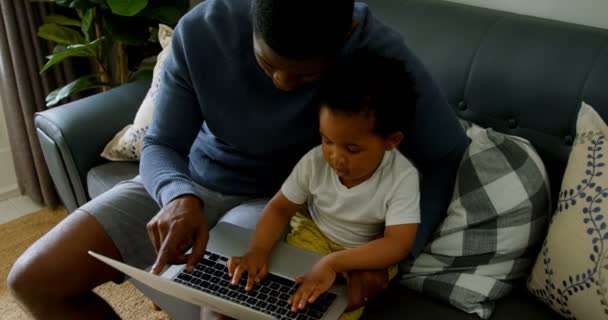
{"points": [[318, 280], [253, 262]]}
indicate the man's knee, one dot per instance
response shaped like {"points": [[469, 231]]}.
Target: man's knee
{"points": [[21, 281]]}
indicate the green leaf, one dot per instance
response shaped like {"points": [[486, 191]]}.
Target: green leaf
{"points": [[77, 50], [167, 15], [182, 5], [132, 31], [144, 70], [78, 4], [61, 20], [87, 23], [59, 34], [140, 75], [60, 47], [127, 7], [83, 83]]}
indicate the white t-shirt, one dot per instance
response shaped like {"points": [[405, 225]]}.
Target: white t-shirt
{"points": [[355, 216]]}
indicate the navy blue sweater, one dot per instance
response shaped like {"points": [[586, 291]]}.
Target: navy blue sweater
{"points": [[220, 122]]}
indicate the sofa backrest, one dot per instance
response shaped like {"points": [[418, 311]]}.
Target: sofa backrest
{"points": [[516, 74]]}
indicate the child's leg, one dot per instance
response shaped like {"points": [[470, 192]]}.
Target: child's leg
{"points": [[306, 235]]}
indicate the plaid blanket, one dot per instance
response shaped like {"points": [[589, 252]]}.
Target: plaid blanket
{"points": [[496, 219]]}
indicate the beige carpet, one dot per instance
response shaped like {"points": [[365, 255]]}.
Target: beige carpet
{"points": [[17, 235]]}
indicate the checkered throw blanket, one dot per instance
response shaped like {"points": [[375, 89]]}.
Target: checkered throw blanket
{"points": [[497, 217]]}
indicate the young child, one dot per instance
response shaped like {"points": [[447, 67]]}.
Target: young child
{"points": [[362, 194]]}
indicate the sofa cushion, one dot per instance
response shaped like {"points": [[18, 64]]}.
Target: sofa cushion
{"points": [[399, 302], [126, 144], [102, 178], [499, 211], [571, 273]]}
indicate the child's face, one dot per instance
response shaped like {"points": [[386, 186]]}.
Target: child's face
{"points": [[351, 147]]}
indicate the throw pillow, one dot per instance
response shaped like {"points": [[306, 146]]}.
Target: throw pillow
{"points": [[571, 271], [499, 210], [126, 144]]}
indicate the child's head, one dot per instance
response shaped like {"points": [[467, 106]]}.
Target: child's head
{"points": [[366, 103]]}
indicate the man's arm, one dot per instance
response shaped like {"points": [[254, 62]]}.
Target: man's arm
{"points": [[176, 121], [381, 253], [164, 169]]}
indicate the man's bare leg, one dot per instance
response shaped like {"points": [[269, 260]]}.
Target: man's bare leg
{"points": [[54, 278]]}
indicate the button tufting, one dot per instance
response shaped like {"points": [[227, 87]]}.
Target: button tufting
{"points": [[462, 105], [568, 140], [512, 123]]}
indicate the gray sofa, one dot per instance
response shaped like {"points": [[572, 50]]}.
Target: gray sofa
{"points": [[517, 74]]}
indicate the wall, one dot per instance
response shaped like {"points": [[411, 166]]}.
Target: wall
{"points": [[8, 181], [586, 12]]}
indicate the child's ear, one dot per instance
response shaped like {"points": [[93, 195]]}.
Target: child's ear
{"points": [[393, 140]]}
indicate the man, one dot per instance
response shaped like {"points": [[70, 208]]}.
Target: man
{"points": [[235, 111]]}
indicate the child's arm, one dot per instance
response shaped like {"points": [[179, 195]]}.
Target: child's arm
{"points": [[275, 217], [270, 226], [381, 253]]}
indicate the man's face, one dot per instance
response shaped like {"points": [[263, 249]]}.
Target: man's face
{"points": [[288, 74]]}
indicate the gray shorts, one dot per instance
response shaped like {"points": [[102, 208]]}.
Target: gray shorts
{"points": [[124, 211]]}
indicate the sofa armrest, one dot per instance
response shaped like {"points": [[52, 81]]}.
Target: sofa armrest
{"points": [[73, 135]]}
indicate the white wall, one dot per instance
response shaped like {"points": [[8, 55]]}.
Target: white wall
{"points": [[8, 180], [587, 12]]}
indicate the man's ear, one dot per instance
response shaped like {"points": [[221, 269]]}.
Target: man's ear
{"points": [[393, 140]]}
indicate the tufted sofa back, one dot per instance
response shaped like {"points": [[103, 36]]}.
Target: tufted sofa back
{"points": [[520, 75]]}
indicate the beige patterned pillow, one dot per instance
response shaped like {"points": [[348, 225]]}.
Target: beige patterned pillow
{"points": [[126, 144], [571, 271]]}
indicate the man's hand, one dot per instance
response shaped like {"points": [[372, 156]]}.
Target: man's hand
{"points": [[174, 229], [364, 286], [314, 283], [254, 262]]}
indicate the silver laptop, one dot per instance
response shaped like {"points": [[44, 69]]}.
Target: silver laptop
{"points": [[209, 284]]}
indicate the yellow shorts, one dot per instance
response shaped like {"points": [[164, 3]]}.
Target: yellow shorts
{"points": [[306, 235]]}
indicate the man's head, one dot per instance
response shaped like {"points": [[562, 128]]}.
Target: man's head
{"points": [[366, 102], [296, 41]]}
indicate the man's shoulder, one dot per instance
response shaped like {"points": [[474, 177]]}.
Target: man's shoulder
{"points": [[372, 34]]}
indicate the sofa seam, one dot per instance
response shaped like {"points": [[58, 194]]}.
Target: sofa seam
{"points": [[603, 48], [474, 58]]}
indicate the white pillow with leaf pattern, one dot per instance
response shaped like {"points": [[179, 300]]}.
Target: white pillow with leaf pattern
{"points": [[126, 144], [571, 271]]}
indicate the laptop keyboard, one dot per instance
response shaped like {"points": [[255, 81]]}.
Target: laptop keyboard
{"points": [[270, 296]]}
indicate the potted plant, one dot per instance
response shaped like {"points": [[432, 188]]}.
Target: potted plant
{"points": [[119, 37]]}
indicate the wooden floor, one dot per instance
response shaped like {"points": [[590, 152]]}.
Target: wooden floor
{"points": [[15, 207]]}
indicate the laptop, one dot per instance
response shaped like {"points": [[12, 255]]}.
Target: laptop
{"points": [[209, 283]]}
